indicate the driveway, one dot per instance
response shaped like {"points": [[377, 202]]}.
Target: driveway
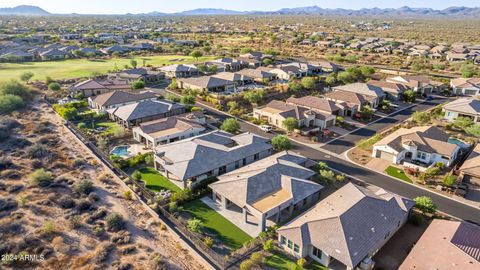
{"points": [[378, 164], [342, 144]]}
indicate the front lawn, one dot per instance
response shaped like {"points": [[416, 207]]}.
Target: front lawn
{"points": [[155, 181], [224, 230], [281, 262], [398, 173]]}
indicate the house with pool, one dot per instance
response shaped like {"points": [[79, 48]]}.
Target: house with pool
{"points": [[347, 228], [189, 162], [417, 147]]}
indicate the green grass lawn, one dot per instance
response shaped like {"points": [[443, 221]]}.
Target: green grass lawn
{"points": [[155, 181], [75, 68], [398, 173], [225, 231], [280, 262], [112, 128]]}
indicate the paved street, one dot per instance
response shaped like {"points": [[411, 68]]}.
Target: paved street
{"points": [[446, 205], [348, 141]]}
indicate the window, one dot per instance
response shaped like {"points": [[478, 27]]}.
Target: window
{"points": [[296, 248], [289, 244], [237, 164], [317, 253], [256, 157], [283, 240], [222, 170], [421, 155], [244, 161]]}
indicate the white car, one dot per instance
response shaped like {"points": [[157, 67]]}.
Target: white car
{"points": [[266, 128]]}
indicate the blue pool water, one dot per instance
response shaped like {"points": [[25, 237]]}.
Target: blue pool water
{"points": [[458, 142], [120, 150]]}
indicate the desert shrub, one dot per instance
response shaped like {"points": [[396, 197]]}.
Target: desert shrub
{"points": [[246, 265], [425, 204], [83, 187], [22, 200], [195, 225], [37, 151], [9, 103], [301, 262], [367, 144], [17, 89], [173, 207], [115, 222], [54, 86], [48, 227], [281, 142], [449, 180], [40, 178], [268, 245], [128, 195], [137, 176], [4, 135], [74, 221], [182, 195], [208, 241]]}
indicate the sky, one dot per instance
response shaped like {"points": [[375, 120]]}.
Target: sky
{"points": [[169, 6]]}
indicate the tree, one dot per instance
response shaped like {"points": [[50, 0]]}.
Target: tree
{"points": [[290, 124], [173, 85], [409, 96], [172, 97], [463, 122], [254, 96], [133, 63], [196, 54], [366, 112], [138, 84], [187, 100], [449, 180], [331, 79], [195, 225], [468, 70], [346, 77], [137, 175], [421, 117], [294, 86], [54, 86], [367, 71], [473, 130], [425, 204], [232, 106], [212, 69], [267, 62], [26, 76], [230, 125], [327, 175], [202, 68], [308, 83], [281, 142]]}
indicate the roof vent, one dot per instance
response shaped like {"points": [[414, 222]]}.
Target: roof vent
{"points": [[373, 229]]}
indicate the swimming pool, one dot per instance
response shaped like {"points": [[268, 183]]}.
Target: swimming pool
{"points": [[121, 150], [458, 142]]}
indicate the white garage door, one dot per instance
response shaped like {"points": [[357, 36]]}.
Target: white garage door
{"points": [[384, 155]]}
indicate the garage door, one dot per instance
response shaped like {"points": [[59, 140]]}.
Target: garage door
{"points": [[329, 123], [384, 155]]}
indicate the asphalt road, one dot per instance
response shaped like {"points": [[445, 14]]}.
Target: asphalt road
{"points": [[342, 144], [446, 205]]}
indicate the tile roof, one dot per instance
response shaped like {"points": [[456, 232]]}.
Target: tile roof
{"points": [[119, 97], [471, 166], [348, 97], [257, 184], [466, 82], [361, 88], [201, 154], [181, 122], [256, 73], [144, 109], [315, 103], [350, 223], [231, 76], [206, 81], [464, 105]]}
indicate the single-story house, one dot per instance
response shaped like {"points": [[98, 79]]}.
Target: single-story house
{"points": [[170, 129], [206, 83], [350, 102], [417, 147], [470, 169], [230, 64], [446, 244], [269, 189], [373, 94], [463, 107], [275, 112], [258, 75], [190, 161], [286, 72], [346, 228], [116, 99], [418, 83], [53, 54], [235, 77], [133, 114], [328, 66], [256, 55], [466, 86], [16, 55], [306, 68], [317, 104], [93, 87], [179, 71], [394, 91], [147, 75]]}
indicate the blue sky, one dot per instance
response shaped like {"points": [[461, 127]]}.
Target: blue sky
{"points": [[140, 6]]}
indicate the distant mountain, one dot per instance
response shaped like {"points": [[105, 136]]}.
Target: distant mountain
{"points": [[210, 11], [23, 10]]}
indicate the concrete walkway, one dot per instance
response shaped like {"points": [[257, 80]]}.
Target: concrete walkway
{"points": [[235, 217]]}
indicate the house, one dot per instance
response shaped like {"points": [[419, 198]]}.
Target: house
{"points": [[93, 87], [190, 161], [457, 57], [317, 104], [271, 189], [275, 112], [16, 56], [147, 75], [324, 43], [170, 129], [470, 169], [206, 83], [463, 107], [179, 71], [257, 55], [373, 94], [393, 91], [328, 67], [466, 86], [350, 102], [53, 54], [114, 49], [286, 72], [346, 228], [446, 244], [235, 77], [258, 75], [418, 147], [115, 99], [133, 114], [418, 83], [230, 63], [307, 69]]}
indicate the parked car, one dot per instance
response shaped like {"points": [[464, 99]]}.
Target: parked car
{"points": [[266, 128]]}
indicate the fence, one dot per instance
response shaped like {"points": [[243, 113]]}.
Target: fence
{"points": [[221, 262]]}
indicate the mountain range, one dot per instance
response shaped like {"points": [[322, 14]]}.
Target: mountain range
{"points": [[461, 12]]}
